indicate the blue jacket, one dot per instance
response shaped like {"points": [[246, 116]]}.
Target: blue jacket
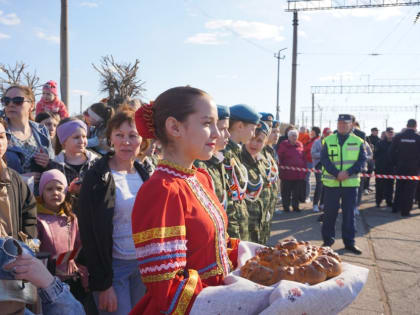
{"points": [[15, 155], [58, 300]]}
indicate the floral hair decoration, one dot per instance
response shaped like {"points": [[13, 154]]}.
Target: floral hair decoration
{"points": [[144, 121]]}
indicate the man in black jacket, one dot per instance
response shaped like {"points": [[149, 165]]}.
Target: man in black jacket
{"points": [[405, 155], [372, 140], [384, 186]]}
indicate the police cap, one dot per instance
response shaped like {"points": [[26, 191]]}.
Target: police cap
{"points": [[345, 117]]}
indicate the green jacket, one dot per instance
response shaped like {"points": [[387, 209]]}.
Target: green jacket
{"points": [[273, 176], [258, 194], [237, 183], [217, 171]]}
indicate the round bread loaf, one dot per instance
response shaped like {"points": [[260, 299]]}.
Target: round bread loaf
{"points": [[292, 260]]}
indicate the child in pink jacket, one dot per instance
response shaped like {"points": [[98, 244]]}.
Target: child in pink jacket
{"points": [[58, 229], [50, 101]]}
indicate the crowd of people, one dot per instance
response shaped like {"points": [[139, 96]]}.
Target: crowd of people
{"points": [[139, 208]]}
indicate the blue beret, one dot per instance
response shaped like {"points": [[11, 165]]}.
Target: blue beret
{"points": [[266, 116], [223, 112], [244, 113], [345, 117], [276, 123], [263, 127]]}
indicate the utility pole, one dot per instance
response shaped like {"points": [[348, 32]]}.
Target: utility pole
{"points": [[81, 104], [64, 54], [313, 109], [320, 118], [303, 118], [416, 106], [279, 57], [294, 65]]}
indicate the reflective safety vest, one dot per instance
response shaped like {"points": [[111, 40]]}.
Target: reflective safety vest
{"points": [[343, 157]]}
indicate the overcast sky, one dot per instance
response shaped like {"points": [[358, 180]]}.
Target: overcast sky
{"points": [[226, 47]]}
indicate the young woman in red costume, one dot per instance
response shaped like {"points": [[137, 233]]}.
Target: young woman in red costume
{"points": [[179, 225]]}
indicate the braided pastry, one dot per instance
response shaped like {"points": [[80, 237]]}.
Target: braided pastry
{"points": [[292, 260]]}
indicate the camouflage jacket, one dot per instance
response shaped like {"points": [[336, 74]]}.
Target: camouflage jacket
{"points": [[258, 195], [217, 171], [237, 183], [273, 175]]}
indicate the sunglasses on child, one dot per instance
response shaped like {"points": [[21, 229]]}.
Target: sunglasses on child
{"points": [[17, 100]]}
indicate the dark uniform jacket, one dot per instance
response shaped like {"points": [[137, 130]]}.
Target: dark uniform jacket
{"points": [[405, 152], [382, 161]]}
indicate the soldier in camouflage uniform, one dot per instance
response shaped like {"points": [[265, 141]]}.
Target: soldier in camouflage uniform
{"points": [[243, 121], [273, 176], [258, 194], [215, 166]]}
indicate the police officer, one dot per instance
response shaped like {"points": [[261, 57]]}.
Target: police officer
{"points": [[242, 124], [383, 165], [215, 166], [342, 158], [405, 156]]}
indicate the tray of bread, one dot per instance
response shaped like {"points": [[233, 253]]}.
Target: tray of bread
{"points": [[294, 261], [291, 278]]}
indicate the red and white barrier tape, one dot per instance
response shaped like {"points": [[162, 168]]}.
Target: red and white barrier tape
{"points": [[301, 169]]}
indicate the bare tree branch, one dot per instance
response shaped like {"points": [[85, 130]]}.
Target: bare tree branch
{"points": [[119, 80], [17, 74]]}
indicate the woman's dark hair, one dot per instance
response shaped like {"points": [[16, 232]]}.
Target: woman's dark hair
{"points": [[126, 113], [316, 130], [42, 116], [179, 103], [102, 110], [46, 115], [58, 147]]}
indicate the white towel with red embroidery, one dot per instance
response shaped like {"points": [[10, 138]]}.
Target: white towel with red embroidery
{"points": [[241, 296]]}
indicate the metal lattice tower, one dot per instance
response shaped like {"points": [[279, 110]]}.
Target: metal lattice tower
{"points": [[311, 5], [364, 89]]}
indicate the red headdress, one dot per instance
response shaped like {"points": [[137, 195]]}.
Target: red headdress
{"points": [[144, 121]]}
